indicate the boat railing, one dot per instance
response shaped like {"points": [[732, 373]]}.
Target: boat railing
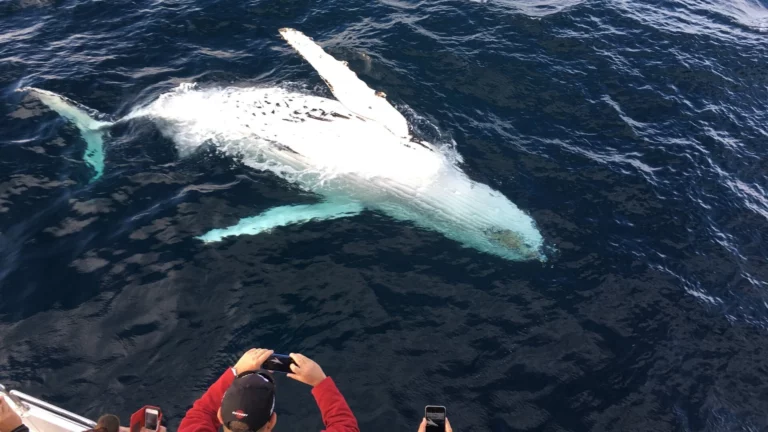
{"points": [[41, 416], [18, 405]]}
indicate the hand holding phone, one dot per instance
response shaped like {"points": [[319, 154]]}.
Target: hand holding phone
{"points": [[148, 418], [306, 370], [278, 363], [252, 360], [435, 420]]}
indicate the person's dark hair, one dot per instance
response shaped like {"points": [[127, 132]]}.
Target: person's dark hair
{"points": [[107, 423], [238, 426]]}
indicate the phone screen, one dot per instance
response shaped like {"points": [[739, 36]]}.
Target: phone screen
{"points": [[278, 363], [150, 419], [435, 416]]}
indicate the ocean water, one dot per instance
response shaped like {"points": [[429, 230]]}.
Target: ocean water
{"points": [[634, 134]]}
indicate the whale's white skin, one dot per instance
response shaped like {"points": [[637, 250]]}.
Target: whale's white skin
{"points": [[356, 153]]}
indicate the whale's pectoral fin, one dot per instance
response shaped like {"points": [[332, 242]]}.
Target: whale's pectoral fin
{"points": [[285, 215], [346, 86], [94, 151], [91, 130]]}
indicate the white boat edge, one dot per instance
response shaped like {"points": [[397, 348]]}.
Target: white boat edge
{"points": [[41, 416]]}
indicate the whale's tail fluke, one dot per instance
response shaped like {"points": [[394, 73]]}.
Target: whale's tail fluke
{"points": [[91, 130]]}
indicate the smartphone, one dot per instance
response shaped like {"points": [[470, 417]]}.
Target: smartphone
{"points": [[151, 419], [278, 363], [435, 416]]}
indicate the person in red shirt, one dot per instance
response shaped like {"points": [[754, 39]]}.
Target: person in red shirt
{"points": [[243, 400]]}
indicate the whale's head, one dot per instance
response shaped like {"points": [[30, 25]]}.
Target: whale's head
{"points": [[502, 230], [510, 241], [472, 214], [516, 243], [485, 219]]}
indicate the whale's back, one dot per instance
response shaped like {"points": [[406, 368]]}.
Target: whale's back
{"points": [[304, 132]]}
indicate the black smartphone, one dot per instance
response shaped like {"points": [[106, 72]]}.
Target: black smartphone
{"points": [[278, 363], [435, 416]]}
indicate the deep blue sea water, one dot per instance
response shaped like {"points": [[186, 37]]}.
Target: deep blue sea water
{"points": [[634, 132]]}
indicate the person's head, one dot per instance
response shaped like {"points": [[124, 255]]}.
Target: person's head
{"points": [[108, 423], [249, 404]]}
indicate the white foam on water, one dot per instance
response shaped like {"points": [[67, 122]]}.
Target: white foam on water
{"points": [[746, 12], [694, 17], [534, 8]]}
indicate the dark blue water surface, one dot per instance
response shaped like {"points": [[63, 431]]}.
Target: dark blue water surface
{"points": [[634, 132]]}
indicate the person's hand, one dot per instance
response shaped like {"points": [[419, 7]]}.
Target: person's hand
{"points": [[252, 360], [423, 425], [306, 370], [9, 420]]}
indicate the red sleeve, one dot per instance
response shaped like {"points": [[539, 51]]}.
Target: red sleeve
{"points": [[337, 416], [203, 416]]}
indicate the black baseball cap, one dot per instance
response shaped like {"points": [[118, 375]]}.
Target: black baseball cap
{"points": [[250, 399]]}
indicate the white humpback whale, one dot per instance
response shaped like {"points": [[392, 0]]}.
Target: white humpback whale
{"points": [[355, 153]]}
